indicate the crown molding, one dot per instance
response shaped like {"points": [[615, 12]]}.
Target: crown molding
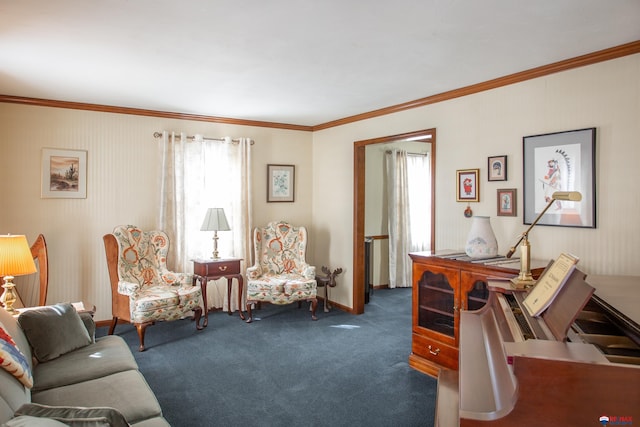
{"points": [[545, 70], [150, 113]]}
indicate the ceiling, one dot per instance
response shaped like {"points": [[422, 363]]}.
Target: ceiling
{"points": [[302, 62]]}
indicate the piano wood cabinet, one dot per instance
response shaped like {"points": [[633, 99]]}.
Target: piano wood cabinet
{"points": [[444, 284]]}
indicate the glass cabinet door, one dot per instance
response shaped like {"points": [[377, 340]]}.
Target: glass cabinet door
{"points": [[474, 290], [436, 302], [478, 295]]}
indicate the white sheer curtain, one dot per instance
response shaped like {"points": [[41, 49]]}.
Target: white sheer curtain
{"points": [[419, 181], [409, 212], [399, 219], [197, 175]]}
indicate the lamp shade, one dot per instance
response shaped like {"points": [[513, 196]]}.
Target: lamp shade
{"points": [[215, 220], [15, 256]]}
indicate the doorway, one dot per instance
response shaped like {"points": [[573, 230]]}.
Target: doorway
{"points": [[359, 247]]}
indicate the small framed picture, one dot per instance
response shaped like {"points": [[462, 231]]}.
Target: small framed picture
{"points": [[507, 202], [497, 168], [467, 183], [280, 183], [64, 174]]}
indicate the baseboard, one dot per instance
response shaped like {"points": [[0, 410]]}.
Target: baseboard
{"points": [[334, 306], [102, 323]]}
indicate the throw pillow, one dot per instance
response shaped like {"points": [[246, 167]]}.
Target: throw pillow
{"points": [[53, 330], [90, 324], [75, 416], [12, 359]]}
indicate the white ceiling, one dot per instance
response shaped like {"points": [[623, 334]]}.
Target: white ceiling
{"points": [[303, 62]]}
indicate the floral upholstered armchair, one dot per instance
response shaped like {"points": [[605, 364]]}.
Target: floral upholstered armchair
{"points": [[143, 290], [280, 274]]}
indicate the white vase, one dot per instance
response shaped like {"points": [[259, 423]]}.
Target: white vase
{"points": [[481, 242]]}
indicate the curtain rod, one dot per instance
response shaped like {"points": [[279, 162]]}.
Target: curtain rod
{"points": [[410, 154], [203, 138]]}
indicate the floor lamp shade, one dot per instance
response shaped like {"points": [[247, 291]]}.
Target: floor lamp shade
{"points": [[215, 220], [15, 260]]}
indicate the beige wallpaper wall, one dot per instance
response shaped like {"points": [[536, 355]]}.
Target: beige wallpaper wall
{"points": [[121, 185], [122, 175], [469, 129]]}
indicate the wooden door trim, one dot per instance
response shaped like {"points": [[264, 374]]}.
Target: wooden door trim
{"points": [[359, 202]]}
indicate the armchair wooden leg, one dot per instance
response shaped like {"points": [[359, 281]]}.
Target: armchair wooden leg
{"points": [[249, 314], [141, 327], [114, 322], [314, 305], [197, 314]]}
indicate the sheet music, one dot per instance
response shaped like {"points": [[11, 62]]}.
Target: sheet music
{"points": [[549, 284]]}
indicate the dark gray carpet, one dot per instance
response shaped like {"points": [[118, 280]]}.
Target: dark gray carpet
{"points": [[286, 370]]}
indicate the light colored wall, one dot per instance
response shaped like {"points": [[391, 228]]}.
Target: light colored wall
{"points": [[472, 128], [121, 185], [122, 176], [380, 261]]}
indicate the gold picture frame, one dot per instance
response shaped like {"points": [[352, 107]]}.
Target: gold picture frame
{"points": [[468, 186]]}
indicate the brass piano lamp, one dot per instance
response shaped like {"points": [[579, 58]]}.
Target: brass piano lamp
{"points": [[525, 279]]}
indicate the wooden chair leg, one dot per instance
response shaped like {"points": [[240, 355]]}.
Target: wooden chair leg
{"points": [[197, 314], [249, 314], [314, 305], [142, 327], [112, 328]]}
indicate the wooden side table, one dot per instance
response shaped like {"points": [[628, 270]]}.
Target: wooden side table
{"points": [[214, 269]]}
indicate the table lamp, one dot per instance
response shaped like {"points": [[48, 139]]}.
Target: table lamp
{"points": [[15, 260], [525, 279], [215, 221]]}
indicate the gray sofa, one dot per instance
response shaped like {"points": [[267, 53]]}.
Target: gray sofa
{"points": [[77, 380]]}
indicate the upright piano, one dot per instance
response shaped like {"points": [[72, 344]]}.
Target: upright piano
{"points": [[577, 364]]}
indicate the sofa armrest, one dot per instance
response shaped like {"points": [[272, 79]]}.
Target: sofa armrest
{"points": [[73, 416]]}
